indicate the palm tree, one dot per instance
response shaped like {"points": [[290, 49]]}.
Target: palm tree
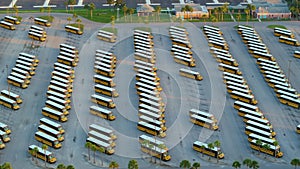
{"points": [[224, 9], [69, 19], [42, 10], [91, 8], [275, 144], [6, 165], [158, 10], [266, 147], [88, 145], [94, 148], [72, 2], [113, 165], [45, 148], [87, 7], [16, 10], [31, 152], [61, 166], [131, 11], [295, 162], [259, 143], [70, 167], [247, 12], [49, 10], [185, 164], [101, 150], [125, 9], [113, 18], [161, 146], [203, 147], [210, 147], [151, 146], [111, 2], [236, 164], [133, 164], [251, 8], [66, 5], [254, 164], [196, 165], [36, 150], [247, 162], [217, 144], [238, 17], [78, 20]]}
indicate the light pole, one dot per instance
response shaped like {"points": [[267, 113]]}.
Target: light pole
{"points": [[289, 70], [118, 9], [7, 83]]}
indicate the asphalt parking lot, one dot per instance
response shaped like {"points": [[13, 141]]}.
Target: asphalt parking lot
{"points": [[179, 94]]}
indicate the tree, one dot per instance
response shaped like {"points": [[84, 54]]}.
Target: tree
{"points": [[70, 167], [202, 147], [217, 144], [101, 150], [49, 10], [6, 165], [252, 8], [94, 148], [236, 164], [158, 10], [87, 7], [254, 164], [151, 146], [78, 20], [61, 166], [238, 17], [247, 162], [295, 162], [72, 2], [16, 10], [185, 164], [131, 11], [259, 143], [133, 164], [45, 148], [247, 11], [196, 165], [113, 18], [275, 144], [88, 145], [91, 8], [224, 9], [266, 147], [210, 147], [111, 2], [113, 165], [69, 19], [36, 150], [125, 9], [31, 152], [42, 10], [66, 5]]}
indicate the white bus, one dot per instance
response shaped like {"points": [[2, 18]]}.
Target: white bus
{"points": [[286, 89], [19, 76], [103, 130], [157, 116], [52, 124], [25, 68], [139, 76], [59, 90], [152, 98], [62, 75], [104, 101], [60, 101], [190, 74], [138, 67], [102, 137], [103, 113], [244, 111], [152, 104], [108, 149], [16, 82], [150, 108], [12, 96], [106, 90], [104, 80], [141, 90], [144, 57], [151, 83], [239, 104], [55, 106], [29, 56], [21, 72], [154, 122], [151, 129], [69, 47], [58, 95]]}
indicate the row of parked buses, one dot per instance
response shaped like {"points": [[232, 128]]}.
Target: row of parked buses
{"points": [[73, 29], [37, 33], [272, 72], [203, 119], [102, 137], [257, 126], [106, 36], [151, 106], [43, 22], [4, 132], [181, 46], [51, 132], [104, 66], [56, 106], [9, 22], [286, 36], [155, 147], [261, 134]]}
